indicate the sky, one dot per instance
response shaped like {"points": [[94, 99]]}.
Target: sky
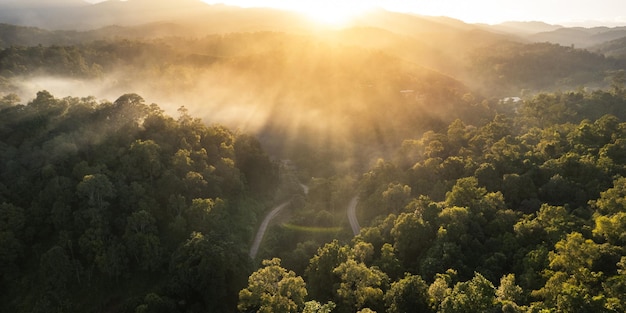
{"points": [[564, 12]]}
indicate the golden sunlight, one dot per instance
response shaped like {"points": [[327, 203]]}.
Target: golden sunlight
{"points": [[331, 13], [326, 12]]}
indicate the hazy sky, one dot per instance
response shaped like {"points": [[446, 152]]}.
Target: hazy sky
{"points": [[568, 12], [611, 12]]}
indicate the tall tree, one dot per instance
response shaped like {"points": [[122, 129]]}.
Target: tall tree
{"points": [[273, 289], [319, 274], [409, 294], [360, 287]]}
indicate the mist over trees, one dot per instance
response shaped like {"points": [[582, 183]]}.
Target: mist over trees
{"points": [[520, 214], [137, 162], [117, 204]]}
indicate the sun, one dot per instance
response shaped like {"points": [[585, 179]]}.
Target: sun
{"points": [[324, 12], [332, 13]]}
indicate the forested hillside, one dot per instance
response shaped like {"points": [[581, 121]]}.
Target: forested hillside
{"points": [[521, 214], [287, 89], [118, 207], [372, 87], [487, 171], [111, 207]]}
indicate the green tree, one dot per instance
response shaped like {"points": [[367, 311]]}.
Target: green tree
{"points": [[203, 269], [12, 218], [548, 225], [572, 283], [9, 100], [143, 160], [261, 175], [412, 237], [200, 214], [396, 197], [466, 193], [97, 189], [508, 292], [56, 269], [613, 200], [316, 307], [363, 252], [142, 240], [615, 288], [319, 274], [612, 229], [128, 110], [409, 294], [457, 135], [154, 303], [360, 286], [273, 289], [440, 289], [11, 250], [517, 189], [476, 295], [388, 262]]}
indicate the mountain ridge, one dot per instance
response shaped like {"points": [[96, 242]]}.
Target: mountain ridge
{"points": [[82, 15]]}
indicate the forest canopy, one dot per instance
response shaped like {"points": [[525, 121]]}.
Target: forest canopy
{"points": [[100, 194], [119, 205], [401, 165], [520, 214]]}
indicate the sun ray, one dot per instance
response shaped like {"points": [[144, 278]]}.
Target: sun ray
{"points": [[329, 13]]}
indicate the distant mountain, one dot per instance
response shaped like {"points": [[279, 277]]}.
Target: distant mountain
{"points": [[614, 48], [479, 55], [579, 37], [524, 28], [198, 18], [435, 42], [13, 35], [410, 24], [80, 15], [34, 4], [41, 13]]}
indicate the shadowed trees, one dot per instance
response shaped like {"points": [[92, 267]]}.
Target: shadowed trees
{"points": [[111, 191]]}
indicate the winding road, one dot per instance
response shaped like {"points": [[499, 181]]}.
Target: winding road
{"points": [[354, 223], [268, 218], [305, 188], [261, 232]]}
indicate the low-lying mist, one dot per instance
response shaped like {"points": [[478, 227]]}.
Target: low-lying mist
{"points": [[307, 100]]}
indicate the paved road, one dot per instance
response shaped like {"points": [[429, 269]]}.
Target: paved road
{"points": [[354, 223], [305, 188], [268, 218], [261, 232]]}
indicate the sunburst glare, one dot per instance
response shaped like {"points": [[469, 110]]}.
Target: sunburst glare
{"points": [[331, 12]]}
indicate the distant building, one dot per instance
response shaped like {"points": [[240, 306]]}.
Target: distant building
{"points": [[511, 103], [411, 94], [511, 99]]}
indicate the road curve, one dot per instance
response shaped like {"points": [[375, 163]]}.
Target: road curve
{"points": [[305, 188], [261, 232], [254, 249], [354, 223]]}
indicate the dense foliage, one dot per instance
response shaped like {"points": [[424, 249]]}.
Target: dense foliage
{"points": [[521, 214], [306, 98], [509, 67], [118, 207], [469, 202]]}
